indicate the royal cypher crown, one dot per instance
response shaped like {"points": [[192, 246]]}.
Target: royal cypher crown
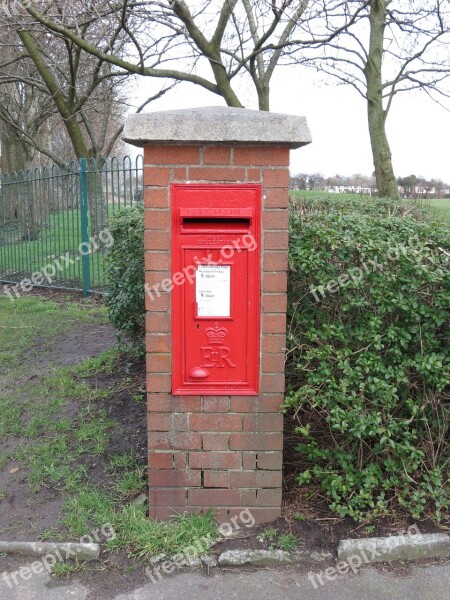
{"points": [[216, 335]]}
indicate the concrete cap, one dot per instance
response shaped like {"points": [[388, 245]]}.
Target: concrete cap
{"points": [[216, 125]]}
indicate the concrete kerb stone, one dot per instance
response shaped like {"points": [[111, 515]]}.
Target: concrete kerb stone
{"points": [[396, 547], [369, 550], [262, 558], [68, 550]]}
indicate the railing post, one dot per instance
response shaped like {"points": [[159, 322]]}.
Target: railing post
{"points": [[85, 256]]}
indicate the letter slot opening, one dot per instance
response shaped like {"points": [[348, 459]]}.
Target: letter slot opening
{"points": [[215, 219]]}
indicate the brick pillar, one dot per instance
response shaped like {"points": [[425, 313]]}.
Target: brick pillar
{"points": [[220, 452]]}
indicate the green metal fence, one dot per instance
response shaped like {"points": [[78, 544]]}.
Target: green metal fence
{"points": [[54, 222]]}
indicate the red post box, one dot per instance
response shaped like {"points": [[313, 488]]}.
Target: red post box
{"points": [[215, 289]]}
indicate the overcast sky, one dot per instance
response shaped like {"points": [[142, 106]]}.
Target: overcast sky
{"points": [[418, 128]]}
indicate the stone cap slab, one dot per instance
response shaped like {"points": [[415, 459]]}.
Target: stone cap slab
{"points": [[217, 125]]}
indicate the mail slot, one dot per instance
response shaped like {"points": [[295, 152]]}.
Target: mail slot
{"points": [[216, 289]]}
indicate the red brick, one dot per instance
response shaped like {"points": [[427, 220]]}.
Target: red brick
{"points": [[256, 441], [216, 174], [270, 422], [215, 479], [276, 198], [169, 478], [249, 460], [157, 322], [273, 240], [158, 383], [156, 197], [156, 176], [180, 421], [154, 278], [274, 282], [158, 363], [275, 261], [273, 363], [274, 219], [160, 460], [216, 404], [212, 422], [248, 498], [174, 440], [173, 404], [215, 460], [274, 342], [213, 497], [179, 460], [217, 155], [268, 497], [271, 402], [255, 479], [249, 423], [244, 404], [270, 460], [215, 441], [162, 513], [156, 219], [254, 175], [272, 382], [160, 261], [158, 342], [271, 323], [156, 302], [274, 303], [171, 155], [159, 422], [167, 497], [276, 178], [265, 515], [261, 155], [156, 240], [179, 174]]}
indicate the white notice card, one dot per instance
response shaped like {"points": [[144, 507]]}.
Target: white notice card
{"points": [[212, 291]]}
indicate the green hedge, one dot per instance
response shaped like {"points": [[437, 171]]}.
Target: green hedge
{"points": [[125, 273], [369, 364]]}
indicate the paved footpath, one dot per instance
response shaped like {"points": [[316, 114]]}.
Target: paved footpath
{"points": [[430, 582]]}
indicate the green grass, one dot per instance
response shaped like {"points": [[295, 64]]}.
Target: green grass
{"points": [[435, 209], [28, 321], [59, 235], [56, 450], [441, 207]]}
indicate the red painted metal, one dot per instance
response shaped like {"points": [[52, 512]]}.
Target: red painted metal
{"points": [[216, 275]]}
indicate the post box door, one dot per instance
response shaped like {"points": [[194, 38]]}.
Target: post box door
{"points": [[215, 309], [216, 319]]}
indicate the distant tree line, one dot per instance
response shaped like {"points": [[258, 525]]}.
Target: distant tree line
{"points": [[411, 186]]}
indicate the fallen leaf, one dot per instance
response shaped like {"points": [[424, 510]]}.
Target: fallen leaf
{"points": [[12, 471]]}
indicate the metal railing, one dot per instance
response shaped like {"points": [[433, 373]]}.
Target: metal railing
{"points": [[54, 221]]}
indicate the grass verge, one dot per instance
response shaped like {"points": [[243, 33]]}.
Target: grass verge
{"points": [[58, 429]]}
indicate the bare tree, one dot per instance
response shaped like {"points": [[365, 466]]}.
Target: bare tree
{"points": [[59, 101], [58, 79], [211, 45], [392, 46]]}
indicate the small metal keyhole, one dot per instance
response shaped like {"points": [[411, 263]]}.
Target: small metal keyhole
{"points": [[198, 325]]}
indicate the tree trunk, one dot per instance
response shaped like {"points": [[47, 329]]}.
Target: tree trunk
{"points": [[13, 156], [382, 158], [264, 97], [17, 203]]}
